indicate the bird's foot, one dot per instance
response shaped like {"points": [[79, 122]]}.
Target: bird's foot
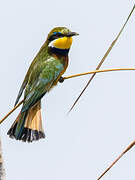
{"points": [[61, 80]]}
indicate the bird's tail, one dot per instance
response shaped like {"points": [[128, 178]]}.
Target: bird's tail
{"points": [[28, 125]]}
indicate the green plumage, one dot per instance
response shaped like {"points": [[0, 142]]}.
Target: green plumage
{"points": [[43, 73], [39, 63]]}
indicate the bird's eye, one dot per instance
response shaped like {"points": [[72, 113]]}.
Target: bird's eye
{"points": [[55, 35], [58, 34]]}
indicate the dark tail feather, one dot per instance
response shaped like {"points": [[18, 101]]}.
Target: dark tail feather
{"points": [[17, 127], [28, 125]]}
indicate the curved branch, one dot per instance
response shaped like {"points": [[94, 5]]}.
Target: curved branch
{"points": [[68, 77], [103, 59], [98, 71]]}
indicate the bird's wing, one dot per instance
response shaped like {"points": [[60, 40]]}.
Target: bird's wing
{"points": [[39, 83], [20, 91], [26, 80]]}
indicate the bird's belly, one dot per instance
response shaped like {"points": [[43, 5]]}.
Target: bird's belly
{"points": [[65, 60]]}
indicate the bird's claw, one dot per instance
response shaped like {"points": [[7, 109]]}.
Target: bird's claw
{"points": [[61, 80]]}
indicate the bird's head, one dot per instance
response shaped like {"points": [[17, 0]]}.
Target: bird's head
{"points": [[60, 38]]}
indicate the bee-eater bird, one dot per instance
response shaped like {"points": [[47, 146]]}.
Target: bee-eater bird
{"points": [[43, 74]]}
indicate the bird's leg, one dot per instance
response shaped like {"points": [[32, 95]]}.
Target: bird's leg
{"points": [[61, 79]]}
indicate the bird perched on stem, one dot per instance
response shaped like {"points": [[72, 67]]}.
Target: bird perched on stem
{"points": [[43, 73]]}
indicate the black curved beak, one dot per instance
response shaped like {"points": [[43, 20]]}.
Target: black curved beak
{"points": [[70, 34]]}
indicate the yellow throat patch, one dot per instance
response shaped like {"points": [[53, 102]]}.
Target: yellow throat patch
{"points": [[63, 43]]}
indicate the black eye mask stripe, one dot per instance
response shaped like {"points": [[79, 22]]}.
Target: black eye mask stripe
{"points": [[55, 35]]}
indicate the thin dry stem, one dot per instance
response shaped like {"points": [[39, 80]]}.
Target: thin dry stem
{"points": [[117, 159], [12, 110], [98, 71], [103, 59], [68, 77], [2, 170]]}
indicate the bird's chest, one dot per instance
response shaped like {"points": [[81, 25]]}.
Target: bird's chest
{"points": [[64, 61]]}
